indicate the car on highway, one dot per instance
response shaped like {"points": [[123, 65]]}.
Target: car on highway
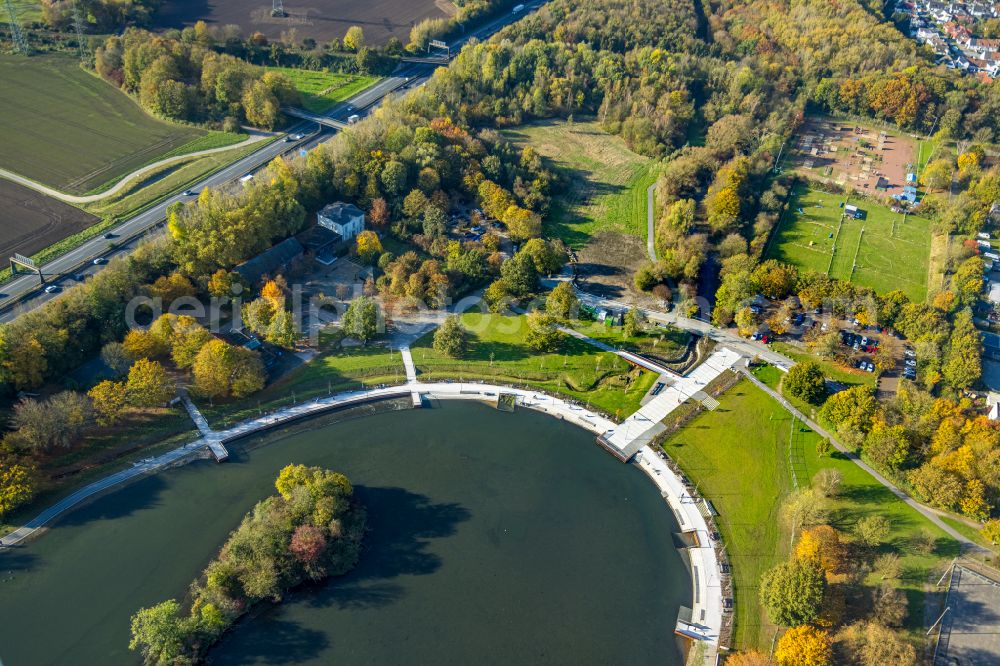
{"points": [[109, 236], [99, 261], [52, 289], [189, 193]]}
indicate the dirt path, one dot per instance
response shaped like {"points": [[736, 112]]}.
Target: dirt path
{"points": [[255, 137]]}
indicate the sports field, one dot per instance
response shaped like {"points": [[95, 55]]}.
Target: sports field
{"points": [[321, 90], [884, 250], [70, 130], [606, 182]]}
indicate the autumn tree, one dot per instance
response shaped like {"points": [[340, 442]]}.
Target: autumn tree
{"points": [[141, 344], [562, 302], [792, 592], [804, 646], [58, 422], [823, 544], [378, 214], [361, 319], [148, 384], [281, 331], [221, 370], [17, 483], [806, 381], [542, 332], [368, 247], [118, 360], [354, 39], [450, 338], [110, 400], [872, 530]]}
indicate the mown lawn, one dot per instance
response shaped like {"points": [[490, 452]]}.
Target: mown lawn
{"points": [[606, 182], [321, 90], [498, 353], [664, 342], [330, 372], [742, 457], [167, 180], [884, 251], [75, 131]]}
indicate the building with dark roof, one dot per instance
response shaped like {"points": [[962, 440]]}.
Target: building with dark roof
{"points": [[344, 219], [270, 262]]}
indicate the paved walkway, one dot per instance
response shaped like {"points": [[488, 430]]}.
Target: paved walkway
{"points": [[706, 591], [255, 137], [411, 369], [640, 428], [650, 223], [200, 421], [928, 513]]}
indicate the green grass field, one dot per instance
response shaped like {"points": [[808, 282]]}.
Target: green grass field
{"points": [[607, 182], [321, 90], [884, 251], [76, 132], [165, 181], [664, 342], [28, 11], [330, 372], [498, 353], [742, 457]]}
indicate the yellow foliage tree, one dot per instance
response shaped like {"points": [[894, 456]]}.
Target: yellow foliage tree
{"points": [[804, 646], [369, 247], [148, 384], [17, 484], [141, 344], [822, 543], [109, 400], [750, 658], [273, 294], [974, 502]]}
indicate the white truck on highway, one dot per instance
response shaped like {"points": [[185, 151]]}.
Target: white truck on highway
{"points": [[353, 119], [517, 9]]}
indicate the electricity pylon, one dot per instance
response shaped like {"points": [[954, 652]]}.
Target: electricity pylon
{"points": [[16, 34]]}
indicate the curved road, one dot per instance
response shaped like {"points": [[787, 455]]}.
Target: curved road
{"points": [[255, 137], [25, 292]]}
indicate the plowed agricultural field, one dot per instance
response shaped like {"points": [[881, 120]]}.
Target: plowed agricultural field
{"points": [[30, 221], [68, 129]]}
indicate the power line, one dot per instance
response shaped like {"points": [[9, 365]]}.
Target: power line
{"points": [[78, 25], [16, 34]]}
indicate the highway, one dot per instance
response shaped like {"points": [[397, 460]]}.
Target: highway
{"points": [[25, 292]]}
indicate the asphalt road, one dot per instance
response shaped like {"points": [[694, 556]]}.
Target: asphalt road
{"points": [[25, 292]]}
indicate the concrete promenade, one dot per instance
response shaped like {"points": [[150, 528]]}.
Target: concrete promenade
{"points": [[706, 590], [640, 428]]}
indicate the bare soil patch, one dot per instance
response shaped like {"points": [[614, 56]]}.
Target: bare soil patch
{"points": [[869, 160], [30, 221], [320, 19], [606, 265]]}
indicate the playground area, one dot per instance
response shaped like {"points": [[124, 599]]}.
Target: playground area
{"points": [[870, 161], [854, 239]]}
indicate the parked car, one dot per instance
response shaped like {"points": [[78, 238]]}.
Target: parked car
{"points": [[766, 339], [755, 336]]}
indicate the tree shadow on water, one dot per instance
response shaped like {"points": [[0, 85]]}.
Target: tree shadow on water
{"points": [[277, 642], [16, 560], [401, 527], [118, 502]]}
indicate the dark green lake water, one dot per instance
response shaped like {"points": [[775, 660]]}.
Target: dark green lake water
{"points": [[495, 538]]}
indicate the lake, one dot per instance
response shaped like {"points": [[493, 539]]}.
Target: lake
{"points": [[494, 537]]}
